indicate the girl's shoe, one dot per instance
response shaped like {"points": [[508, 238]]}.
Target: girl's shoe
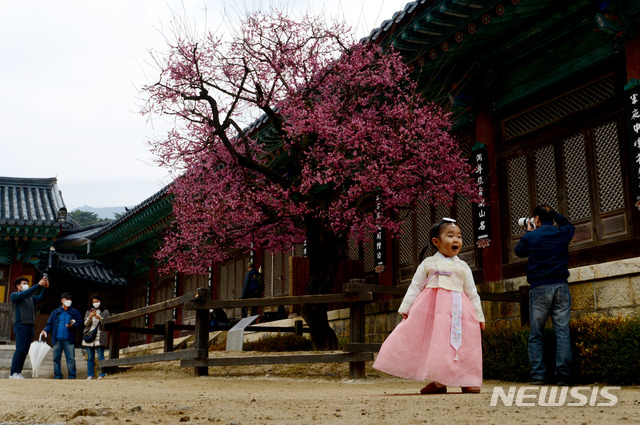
{"points": [[434, 388], [470, 390]]}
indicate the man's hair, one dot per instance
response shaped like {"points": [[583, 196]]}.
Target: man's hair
{"points": [[544, 213], [19, 280]]}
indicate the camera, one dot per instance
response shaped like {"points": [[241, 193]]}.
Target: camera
{"points": [[525, 221]]}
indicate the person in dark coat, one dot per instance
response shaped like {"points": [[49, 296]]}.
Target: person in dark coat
{"points": [[61, 325], [24, 320], [251, 288]]}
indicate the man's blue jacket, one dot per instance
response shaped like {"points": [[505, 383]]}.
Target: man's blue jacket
{"points": [[548, 250], [52, 324]]}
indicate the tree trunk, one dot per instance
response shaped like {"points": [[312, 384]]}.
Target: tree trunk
{"points": [[324, 250]]}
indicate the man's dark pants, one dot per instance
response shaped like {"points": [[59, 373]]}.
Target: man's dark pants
{"points": [[24, 338]]}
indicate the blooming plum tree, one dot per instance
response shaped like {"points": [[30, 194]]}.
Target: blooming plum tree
{"points": [[342, 134]]}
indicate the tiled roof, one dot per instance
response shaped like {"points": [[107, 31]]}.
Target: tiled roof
{"points": [[30, 202], [91, 270]]}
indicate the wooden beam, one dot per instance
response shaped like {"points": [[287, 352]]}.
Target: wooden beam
{"points": [[277, 301], [150, 358], [278, 359], [291, 329], [354, 347], [154, 308], [375, 289]]}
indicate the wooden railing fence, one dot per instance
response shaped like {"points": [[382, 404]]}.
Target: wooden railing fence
{"points": [[356, 294]]}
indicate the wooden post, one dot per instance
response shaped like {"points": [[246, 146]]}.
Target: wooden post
{"points": [[202, 332], [114, 347], [168, 335], [356, 335], [297, 327], [524, 305]]}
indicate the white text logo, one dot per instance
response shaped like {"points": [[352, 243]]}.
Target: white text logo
{"points": [[554, 396]]}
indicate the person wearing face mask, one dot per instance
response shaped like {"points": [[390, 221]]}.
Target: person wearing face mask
{"points": [[61, 325], [24, 320], [95, 342]]}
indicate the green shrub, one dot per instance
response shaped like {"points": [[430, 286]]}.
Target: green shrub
{"points": [[504, 353], [284, 342], [605, 349]]}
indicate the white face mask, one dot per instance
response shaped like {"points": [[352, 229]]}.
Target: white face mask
{"points": [[24, 287], [96, 305], [67, 303]]}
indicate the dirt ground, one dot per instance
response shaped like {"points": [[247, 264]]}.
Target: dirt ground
{"points": [[299, 394]]}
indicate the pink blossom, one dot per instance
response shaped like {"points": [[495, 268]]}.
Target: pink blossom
{"points": [[345, 128]]}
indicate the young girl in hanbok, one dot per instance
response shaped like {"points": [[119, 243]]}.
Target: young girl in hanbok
{"points": [[439, 337]]}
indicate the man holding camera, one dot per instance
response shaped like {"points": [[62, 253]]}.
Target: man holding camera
{"points": [[547, 247], [61, 325]]}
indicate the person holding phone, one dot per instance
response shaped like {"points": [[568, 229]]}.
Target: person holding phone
{"points": [[24, 301], [95, 336], [61, 325]]}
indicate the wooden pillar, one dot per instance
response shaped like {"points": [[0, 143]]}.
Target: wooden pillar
{"points": [[491, 255], [202, 332], [357, 335], [114, 347], [153, 277], [632, 55], [169, 329]]}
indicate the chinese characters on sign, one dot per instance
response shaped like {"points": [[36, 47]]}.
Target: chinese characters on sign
{"points": [[379, 245], [482, 211], [633, 120]]}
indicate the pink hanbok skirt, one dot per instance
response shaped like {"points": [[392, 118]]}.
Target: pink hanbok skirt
{"points": [[419, 348]]}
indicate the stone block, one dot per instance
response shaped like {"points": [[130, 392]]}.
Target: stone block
{"points": [[344, 313], [381, 323], [614, 293], [370, 325], [582, 296], [393, 320], [333, 315], [634, 283], [373, 308], [340, 328]]}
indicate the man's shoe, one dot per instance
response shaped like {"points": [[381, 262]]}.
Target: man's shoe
{"points": [[434, 388], [16, 376], [562, 383], [89, 378], [470, 390]]}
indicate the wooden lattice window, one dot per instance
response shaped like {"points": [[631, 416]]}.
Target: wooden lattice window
{"points": [[579, 175]]}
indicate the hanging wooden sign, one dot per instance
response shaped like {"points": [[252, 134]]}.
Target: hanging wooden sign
{"points": [[633, 121], [482, 211]]}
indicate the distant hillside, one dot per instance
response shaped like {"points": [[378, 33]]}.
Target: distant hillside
{"points": [[104, 212]]}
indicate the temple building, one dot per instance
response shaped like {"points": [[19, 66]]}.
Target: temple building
{"points": [[544, 97]]}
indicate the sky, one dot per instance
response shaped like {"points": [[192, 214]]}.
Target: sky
{"points": [[70, 79]]}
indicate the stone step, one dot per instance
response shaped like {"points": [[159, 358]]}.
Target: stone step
{"points": [[46, 369]]}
